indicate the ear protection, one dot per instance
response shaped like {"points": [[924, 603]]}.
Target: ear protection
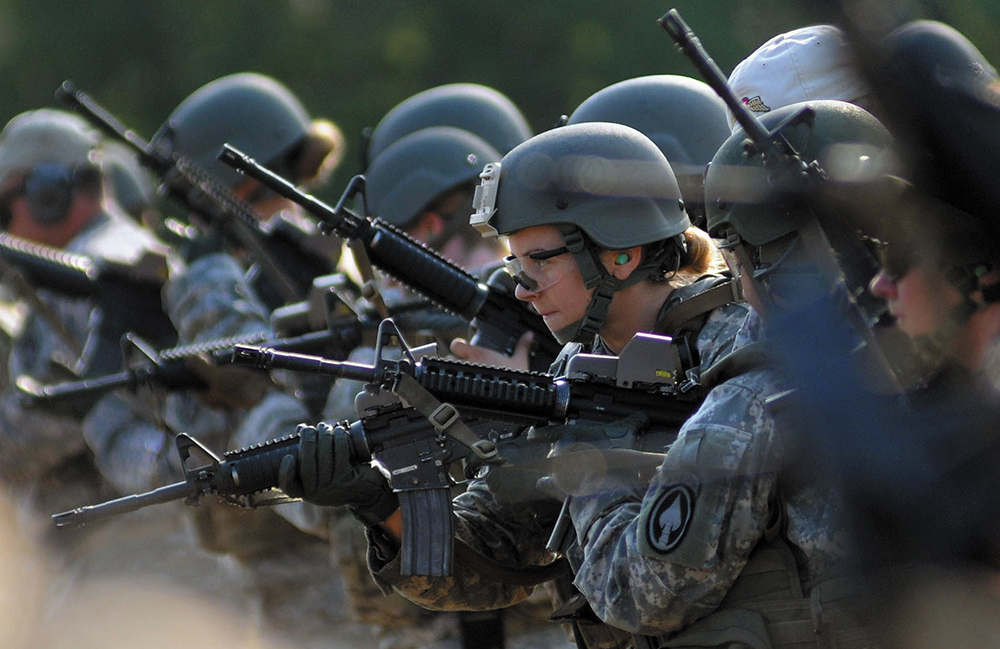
{"points": [[48, 191], [621, 259]]}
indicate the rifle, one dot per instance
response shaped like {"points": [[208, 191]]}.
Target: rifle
{"points": [[276, 248], [170, 369], [417, 445], [110, 284], [498, 317]]}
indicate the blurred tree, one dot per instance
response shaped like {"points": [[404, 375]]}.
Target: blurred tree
{"points": [[353, 61]]}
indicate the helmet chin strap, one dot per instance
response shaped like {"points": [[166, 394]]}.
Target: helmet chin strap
{"points": [[595, 276]]}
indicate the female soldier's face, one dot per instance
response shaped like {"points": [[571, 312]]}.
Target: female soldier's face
{"points": [[556, 286]]}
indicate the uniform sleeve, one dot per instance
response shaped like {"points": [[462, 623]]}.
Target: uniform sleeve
{"points": [[213, 300], [131, 452], [508, 535], [657, 564]]}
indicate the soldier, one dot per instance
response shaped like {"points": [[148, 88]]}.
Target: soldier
{"points": [[221, 294], [932, 458], [564, 208], [52, 187], [423, 165], [718, 549]]}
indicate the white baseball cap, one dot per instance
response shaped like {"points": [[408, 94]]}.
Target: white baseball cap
{"points": [[804, 64]]}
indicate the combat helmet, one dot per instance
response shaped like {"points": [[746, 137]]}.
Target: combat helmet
{"points": [[411, 173], [943, 98], [250, 111], [605, 186], [844, 141], [56, 149], [478, 109], [684, 117]]}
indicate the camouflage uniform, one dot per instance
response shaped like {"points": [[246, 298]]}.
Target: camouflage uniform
{"points": [[515, 534], [298, 589], [663, 560], [42, 451]]}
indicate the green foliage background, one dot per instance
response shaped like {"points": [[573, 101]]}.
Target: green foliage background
{"points": [[351, 61]]}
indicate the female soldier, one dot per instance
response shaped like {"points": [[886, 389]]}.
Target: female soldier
{"points": [[602, 248]]}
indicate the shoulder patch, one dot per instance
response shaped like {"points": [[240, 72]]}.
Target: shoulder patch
{"points": [[670, 518]]}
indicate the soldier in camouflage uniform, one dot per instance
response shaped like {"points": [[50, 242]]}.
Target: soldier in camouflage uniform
{"points": [[51, 181], [566, 233], [922, 483], [292, 580], [54, 154], [424, 158], [716, 550]]}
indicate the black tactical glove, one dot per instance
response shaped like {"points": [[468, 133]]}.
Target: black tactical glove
{"points": [[324, 475]]}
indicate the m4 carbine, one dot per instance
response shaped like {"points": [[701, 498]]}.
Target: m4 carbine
{"points": [[173, 368], [498, 317], [128, 295], [416, 446]]}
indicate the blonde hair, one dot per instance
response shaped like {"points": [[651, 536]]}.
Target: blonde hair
{"points": [[702, 257]]}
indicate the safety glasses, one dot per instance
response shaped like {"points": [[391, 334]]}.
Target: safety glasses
{"points": [[537, 271]]}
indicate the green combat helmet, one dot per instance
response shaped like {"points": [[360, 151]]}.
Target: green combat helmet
{"points": [[472, 107], [250, 111], [52, 148], [409, 175], [684, 117], [605, 186], [846, 142], [756, 208]]}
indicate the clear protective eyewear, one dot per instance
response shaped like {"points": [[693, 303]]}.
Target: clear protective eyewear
{"points": [[535, 272]]}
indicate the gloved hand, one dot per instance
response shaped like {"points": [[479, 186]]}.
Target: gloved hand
{"points": [[324, 475]]}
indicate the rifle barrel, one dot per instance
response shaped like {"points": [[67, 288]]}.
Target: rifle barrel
{"points": [[268, 358], [90, 513]]}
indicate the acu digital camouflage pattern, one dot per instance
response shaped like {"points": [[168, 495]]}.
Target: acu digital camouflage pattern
{"points": [[515, 535], [658, 562], [45, 453]]}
